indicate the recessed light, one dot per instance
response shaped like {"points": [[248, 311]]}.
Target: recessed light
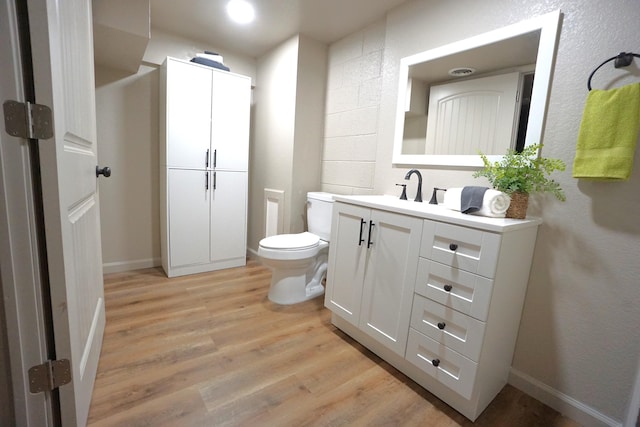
{"points": [[240, 11]]}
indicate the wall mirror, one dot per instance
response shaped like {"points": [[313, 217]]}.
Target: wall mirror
{"points": [[487, 93]]}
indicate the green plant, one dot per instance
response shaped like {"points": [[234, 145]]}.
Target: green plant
{"points": [[524, 172]]}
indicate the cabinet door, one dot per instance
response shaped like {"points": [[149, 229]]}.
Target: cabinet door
{"points": [[230, 121], [188, 115], [389, 279], [188, 200], [228, 215], [347, 257]]}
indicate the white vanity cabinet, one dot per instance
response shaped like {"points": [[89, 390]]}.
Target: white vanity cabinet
{"points": [[456, 297], [204, 154], [373, 259]]}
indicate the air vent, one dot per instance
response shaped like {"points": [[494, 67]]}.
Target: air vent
{"points": [[461, 71]]}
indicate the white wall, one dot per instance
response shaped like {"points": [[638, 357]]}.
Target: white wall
{"points": [[163, 44], [578, 345], [287, 144], [127, 112], [309, 125], [270, 164]]}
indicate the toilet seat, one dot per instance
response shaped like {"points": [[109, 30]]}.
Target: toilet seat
{"points": [[291, 246], [291, 242]]}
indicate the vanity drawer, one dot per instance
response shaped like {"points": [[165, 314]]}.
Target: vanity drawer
{"points": [[465, 248], [457, 331], [458, 289], [453, 370]]}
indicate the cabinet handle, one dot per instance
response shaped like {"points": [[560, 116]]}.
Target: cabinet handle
{"points": [[435, 362], [441, 325], [360, 239], [206, 181], [453, 246], [369, 242], [206, 160], [448, 288], [215, 157], [214, 181]]}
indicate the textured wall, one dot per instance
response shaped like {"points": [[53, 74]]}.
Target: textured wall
{"points": [[578, 336], [353, 97]]}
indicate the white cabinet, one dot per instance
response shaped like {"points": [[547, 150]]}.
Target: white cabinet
{"points": [[204, 134], [440, 292], [373, 255], [188, 218]]}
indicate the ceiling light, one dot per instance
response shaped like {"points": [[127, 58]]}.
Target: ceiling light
{"points": [[240, 11]]}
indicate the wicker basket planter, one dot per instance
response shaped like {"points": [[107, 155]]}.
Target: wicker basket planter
{"points": [[519, 204]]}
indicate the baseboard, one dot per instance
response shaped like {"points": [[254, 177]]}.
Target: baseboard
{"points": [[253, 255], [118, 267], [566, 405]]}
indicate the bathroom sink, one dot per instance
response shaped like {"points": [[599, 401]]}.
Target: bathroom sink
{"points": [[435, 212]]}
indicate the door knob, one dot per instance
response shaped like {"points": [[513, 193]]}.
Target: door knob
{"points": [[106, 171]]}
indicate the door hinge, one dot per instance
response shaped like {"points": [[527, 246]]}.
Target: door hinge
{"points": [[27, 120], [50, 375]]}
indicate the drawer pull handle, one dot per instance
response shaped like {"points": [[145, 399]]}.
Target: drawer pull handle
{"points": [[448, 288], [360, 239], [453, 246], [441, 325], [435, 362]]}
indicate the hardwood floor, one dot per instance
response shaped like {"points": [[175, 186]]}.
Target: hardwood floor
{"points": [[212, 350]]}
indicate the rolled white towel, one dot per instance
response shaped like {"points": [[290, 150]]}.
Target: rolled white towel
{"points": [[494, 203], [452, 198]]}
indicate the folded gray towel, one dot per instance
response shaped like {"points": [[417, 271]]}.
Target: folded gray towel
{"points": [[471, 198]]}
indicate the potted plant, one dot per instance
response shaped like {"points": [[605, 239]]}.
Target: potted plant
{"points": [[519, 174]]}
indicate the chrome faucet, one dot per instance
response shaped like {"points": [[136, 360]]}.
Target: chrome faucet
{"points": [[419, 193]]}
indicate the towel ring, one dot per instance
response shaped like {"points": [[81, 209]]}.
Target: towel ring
{"points": [[623, 59]]}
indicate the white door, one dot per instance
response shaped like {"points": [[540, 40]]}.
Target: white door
{"points": [[229, 217], [347, 260], [188, 200], [390, 276], [471, 115], [62, 52], [230, 103], [188, 108]]}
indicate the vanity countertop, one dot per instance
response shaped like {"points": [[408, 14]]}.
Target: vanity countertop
{"points": [[439, 213]]}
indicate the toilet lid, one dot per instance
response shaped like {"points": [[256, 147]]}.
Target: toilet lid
{"points": [[304, 240]]}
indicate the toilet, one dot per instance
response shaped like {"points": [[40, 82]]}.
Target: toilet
{"points": [[298, 262]]}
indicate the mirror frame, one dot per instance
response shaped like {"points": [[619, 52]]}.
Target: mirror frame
{"points": [[547, 24]]}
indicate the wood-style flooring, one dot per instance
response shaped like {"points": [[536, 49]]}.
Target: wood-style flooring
{"points": [[212, 350]]}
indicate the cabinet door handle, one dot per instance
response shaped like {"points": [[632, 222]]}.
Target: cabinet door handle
{"points": [[435, 362], [214, 181], [206, 160], [369, 242], [215, 157], [360, 239], [453, 246], [206, 181], [448, 288], [441, 325]]}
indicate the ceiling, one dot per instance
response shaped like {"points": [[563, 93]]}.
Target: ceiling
{"points": [[276, 20]]}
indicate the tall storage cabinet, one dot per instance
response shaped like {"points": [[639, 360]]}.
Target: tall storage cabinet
{"points": [[204, 157]]}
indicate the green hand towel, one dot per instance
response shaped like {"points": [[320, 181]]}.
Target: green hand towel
{"points": [[608, 134]]}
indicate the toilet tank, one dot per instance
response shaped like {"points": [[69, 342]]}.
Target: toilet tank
{"points": [[319, 210]]}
